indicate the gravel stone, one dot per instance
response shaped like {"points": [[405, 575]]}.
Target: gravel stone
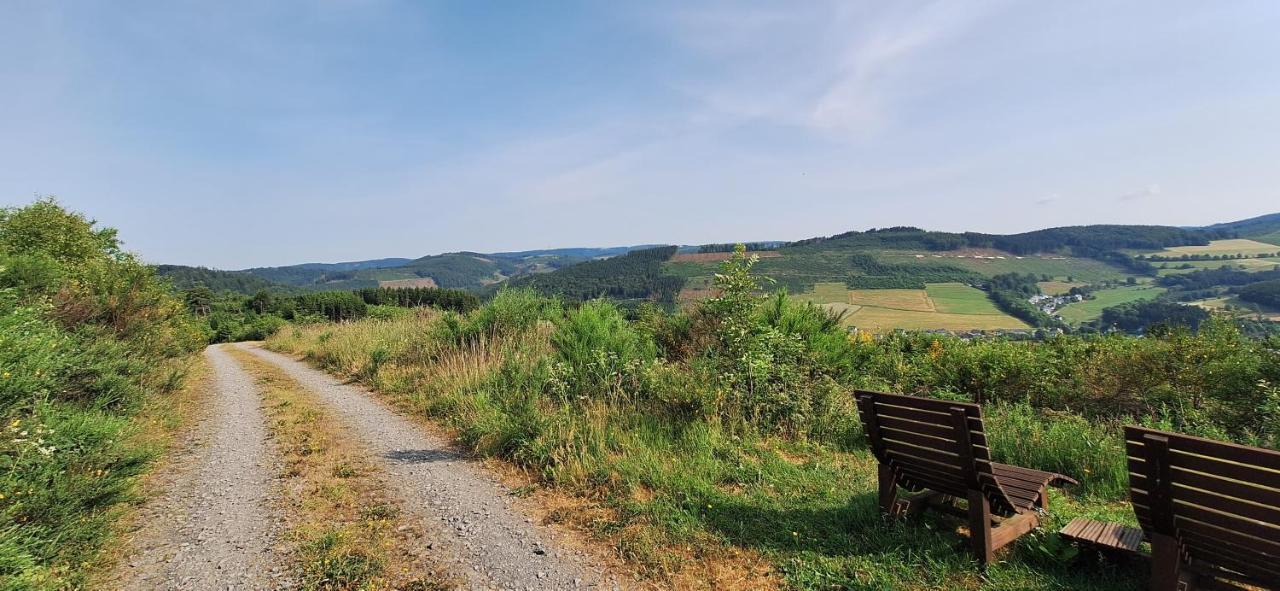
{"points": [[215, 525], [440, 486]]}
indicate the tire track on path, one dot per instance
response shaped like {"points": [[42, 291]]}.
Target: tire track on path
{"points": [[493, 544], [215, 525]]}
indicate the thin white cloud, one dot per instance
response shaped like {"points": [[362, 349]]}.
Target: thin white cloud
{"points": [[834, 68], [1146, 192]]}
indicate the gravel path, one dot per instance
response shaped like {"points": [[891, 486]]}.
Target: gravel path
{"points": [[214, 527], [493, 544]]}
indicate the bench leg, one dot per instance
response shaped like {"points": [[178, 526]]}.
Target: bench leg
{"points": [[980, 527], [888, 491], [1165, 563]]}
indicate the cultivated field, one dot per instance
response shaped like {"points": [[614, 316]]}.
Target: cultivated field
{"points": [[1240, 307], [1266, 264], [896, 299], [956, 298], [945, 306], [1087, 270], [1059, 287], [1105, 298], [1216, 247]]}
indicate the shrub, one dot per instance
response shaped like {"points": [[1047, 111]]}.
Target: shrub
{"points": [[600, 352], [87, 333]]}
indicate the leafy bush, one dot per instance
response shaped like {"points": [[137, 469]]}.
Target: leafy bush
{"points": [[87, 333], [599, 350]]}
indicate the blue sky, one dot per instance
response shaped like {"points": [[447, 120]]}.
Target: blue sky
{"points": [[235, 134]]}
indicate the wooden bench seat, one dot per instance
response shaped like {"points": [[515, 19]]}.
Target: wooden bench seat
{"points": [[1210, 509], [1112, 537], [938, 450]]}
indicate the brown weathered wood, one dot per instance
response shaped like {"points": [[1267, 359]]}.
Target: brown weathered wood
{"points": [[888, 490], [980, 527], [938, 447], [1210, 508], [1166, 563], [1012, 529]]}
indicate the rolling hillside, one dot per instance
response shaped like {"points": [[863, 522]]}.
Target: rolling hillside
{"points": [[1264, 228]]}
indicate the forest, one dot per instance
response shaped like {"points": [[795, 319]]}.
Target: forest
{"points": [[1266, 293], [636, 275]]}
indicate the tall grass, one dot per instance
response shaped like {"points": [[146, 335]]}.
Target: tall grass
{"points": [[654, 443]]}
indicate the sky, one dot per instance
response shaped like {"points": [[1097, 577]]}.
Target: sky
{"points": [[236, 133]]}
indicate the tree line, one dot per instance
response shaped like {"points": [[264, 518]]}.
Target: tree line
{"points": [[632, 276]]}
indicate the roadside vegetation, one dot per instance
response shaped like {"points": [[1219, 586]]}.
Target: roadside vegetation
{"points": [[730, 427], [89, 338], [230, 317]]}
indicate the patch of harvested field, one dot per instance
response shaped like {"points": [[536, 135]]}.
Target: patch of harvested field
{"points": [[716, 257], [897, 299], [885, 319], [1059, 287], [1217, 247], [398, 283]]}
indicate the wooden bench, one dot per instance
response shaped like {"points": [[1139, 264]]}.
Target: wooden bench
{"points": [[1111, 538], [938, 450], [1210, 509]]}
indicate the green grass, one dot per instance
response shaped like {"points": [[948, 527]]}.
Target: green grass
{"points": [[1253, 265], [807, 508], [1087, 270], [1092, 309], [1272, 238], [957, 298]]}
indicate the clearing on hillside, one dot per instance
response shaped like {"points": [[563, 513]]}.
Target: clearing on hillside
{"points": [[1217, 247], [716, 257], [943, 306], [1238, 307], [1105, 298], [1251, 265], [1054, 266], [419, 282], [1059, 287]]}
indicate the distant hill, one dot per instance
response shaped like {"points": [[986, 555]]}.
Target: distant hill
{"points": [[183, 277], [1264, 228], [635, 275], [314, 273], [903, 257], [461, 270]]}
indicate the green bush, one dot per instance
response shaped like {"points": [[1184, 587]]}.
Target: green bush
{"points": [[600, 352], [87, 334]]}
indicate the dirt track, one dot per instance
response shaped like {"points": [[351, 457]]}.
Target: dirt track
{"points": [[491, 542], [215, 525]]}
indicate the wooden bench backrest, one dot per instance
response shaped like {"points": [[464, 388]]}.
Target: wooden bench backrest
{"points": [[935, 444], [1221, 501]]}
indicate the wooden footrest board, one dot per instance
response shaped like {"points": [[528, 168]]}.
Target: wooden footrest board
{"points": [[1112, 536]]}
